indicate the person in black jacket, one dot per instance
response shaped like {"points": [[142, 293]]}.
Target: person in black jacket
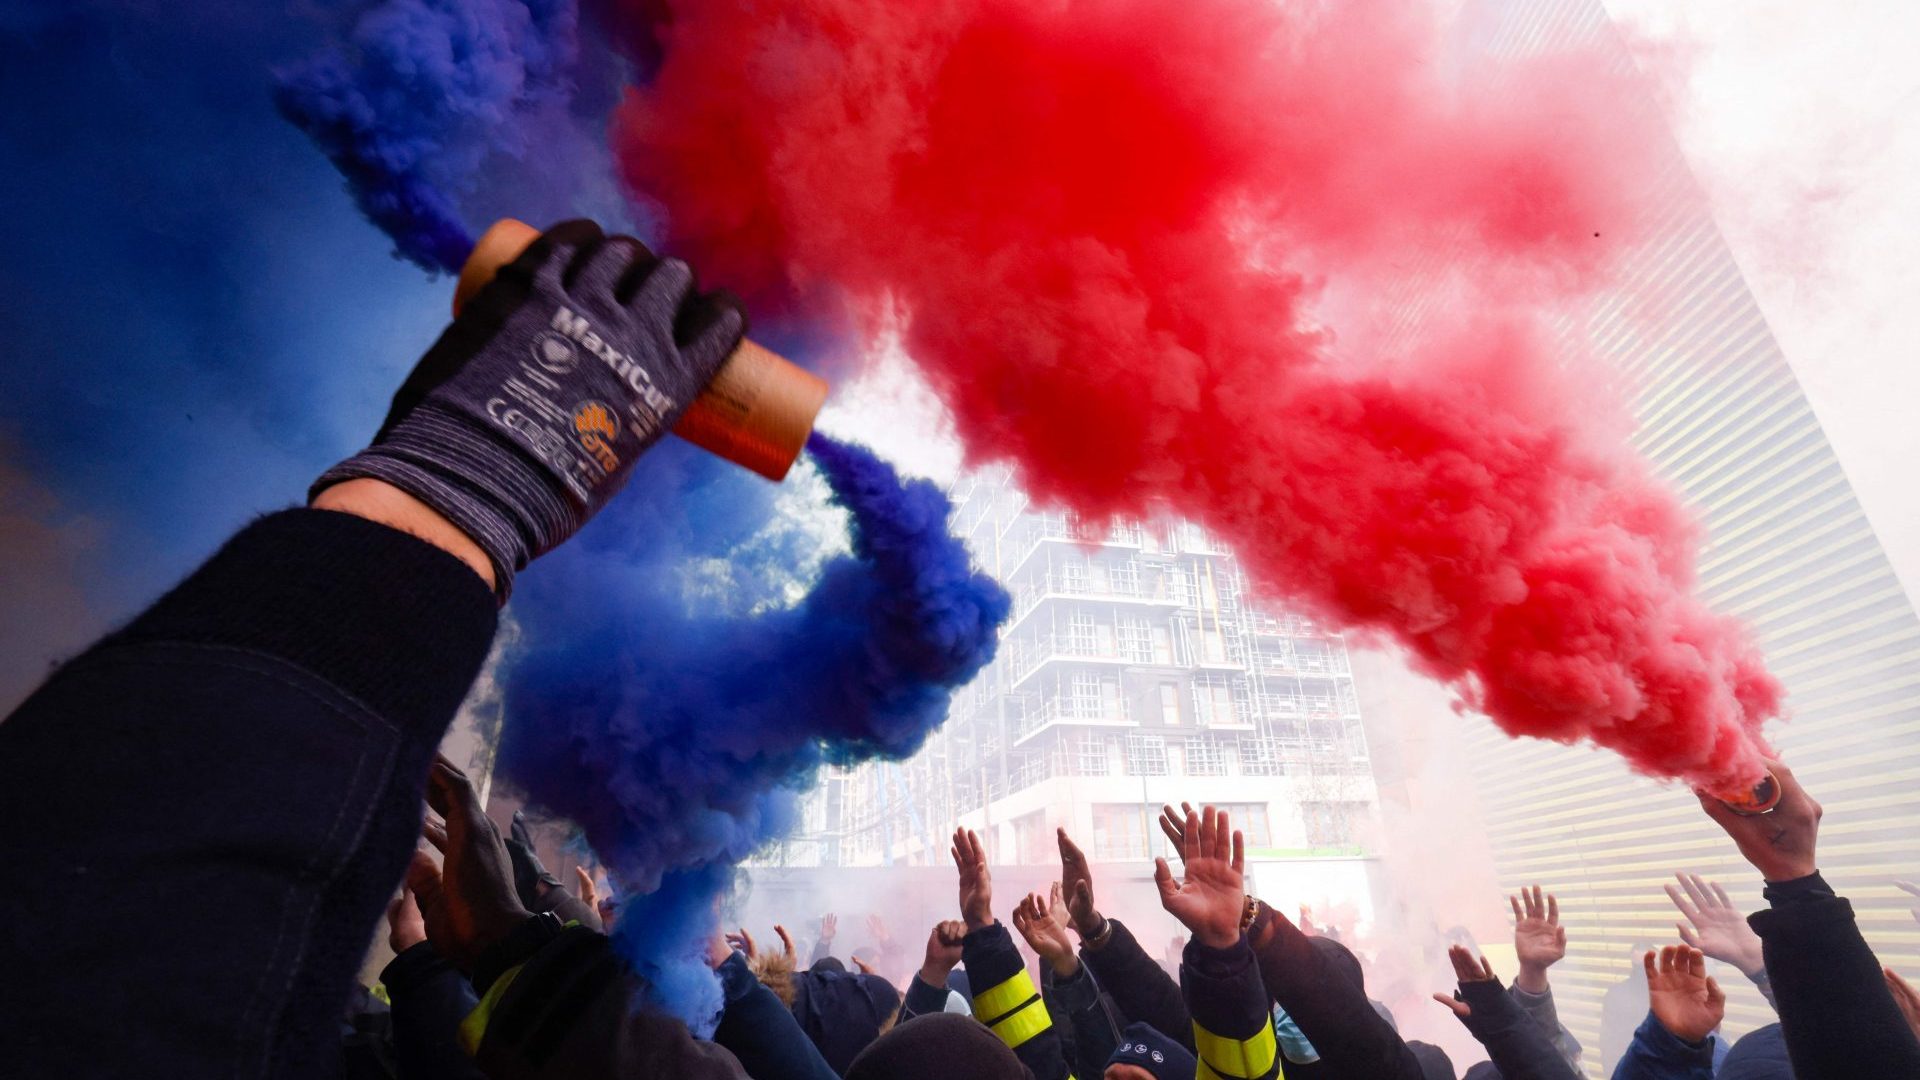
{"points": [[430, 998], [1351, 1039], [1520, 1048], [234, 778], [1839, 1020], [1088, 1021], [1219, 977], [758, 1027], [1141, 990], [1686, 1006], [1004, 997]]}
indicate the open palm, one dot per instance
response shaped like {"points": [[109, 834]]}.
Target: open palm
{"points": [[1211, 893], [1718, 929], [976, 881], [1538, 938], [1684, 999]]}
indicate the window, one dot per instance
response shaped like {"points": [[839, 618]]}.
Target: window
{"points": [[1214, 648], [1169, 704], [1251, 819], [1205, 757], [1146, 755], [1259, 756], [1330, 824], [1090, 757], [1080, 635], [1073, 575], [1136, 639], [1084, 704], [1123, 578], [1119, 831], [1032, 838], [1180, 584], [1212, 700]]}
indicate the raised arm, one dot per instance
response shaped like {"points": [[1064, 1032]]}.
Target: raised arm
{"points": [[1004, 997], [1141, 989], [1837, 1016], [1520, 1048], [1539, 942], [1331, 1010], [1232, 1017], [282, 705]]}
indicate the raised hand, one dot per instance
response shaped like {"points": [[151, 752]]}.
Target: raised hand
{"points": [[1175, 825], [470, 903], [1076, 885], [943, 951], [589, 895], [742, 941], [877, 929], [1780, 844], [1905, 996], [1057, 907], [1033, 918], [1539, 941], [1211, 895], [829, 926], [1466, 969], [719, 947], [976, 882], [865, 968], [1719, 929], [405, 927], [1912, 890], [786, 940], [1684, 999]]}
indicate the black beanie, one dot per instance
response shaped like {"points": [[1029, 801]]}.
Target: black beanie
{"points": [[940, 1046], [1144, 1047]]}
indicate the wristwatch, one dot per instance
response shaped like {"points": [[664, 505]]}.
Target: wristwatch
{"points": [[515, 949], [1248, 914]]}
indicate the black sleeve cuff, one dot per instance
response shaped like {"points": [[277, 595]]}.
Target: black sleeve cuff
{"points": [[515, 949], [413, 966], [1799, 890]]}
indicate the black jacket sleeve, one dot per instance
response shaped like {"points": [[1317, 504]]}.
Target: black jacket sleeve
{"points": [[1090, 1017], [1353, 1040], [762, 1032], [1520, 1048], [430, 1000], [1232, 1015], [922, 998], [1547, 1016], [1004, 999], [1141, 988], [1835, 1012], [574, 1011], [233, 782]]}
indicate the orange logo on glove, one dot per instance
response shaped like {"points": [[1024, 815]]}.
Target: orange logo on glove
{"points": [[594, 423]]}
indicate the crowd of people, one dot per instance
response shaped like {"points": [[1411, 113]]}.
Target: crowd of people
{"points": [[204, 815]]}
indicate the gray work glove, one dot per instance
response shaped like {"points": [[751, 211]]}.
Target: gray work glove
{"points": [[527, 415]]}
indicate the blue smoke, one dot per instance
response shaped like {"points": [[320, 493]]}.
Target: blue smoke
{"points": [[199, 320], [682, 743], [424, 94]]}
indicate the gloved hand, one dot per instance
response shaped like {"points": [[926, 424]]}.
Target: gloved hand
{"points": [[527, 415]]}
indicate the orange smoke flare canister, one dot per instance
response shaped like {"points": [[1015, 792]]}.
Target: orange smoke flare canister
{"points": [[757, 411]]}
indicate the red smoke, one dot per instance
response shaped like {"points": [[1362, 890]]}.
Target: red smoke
{"points": [[1142, 248]]}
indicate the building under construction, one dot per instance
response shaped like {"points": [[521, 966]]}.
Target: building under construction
{"points": [[1133, 672]]}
